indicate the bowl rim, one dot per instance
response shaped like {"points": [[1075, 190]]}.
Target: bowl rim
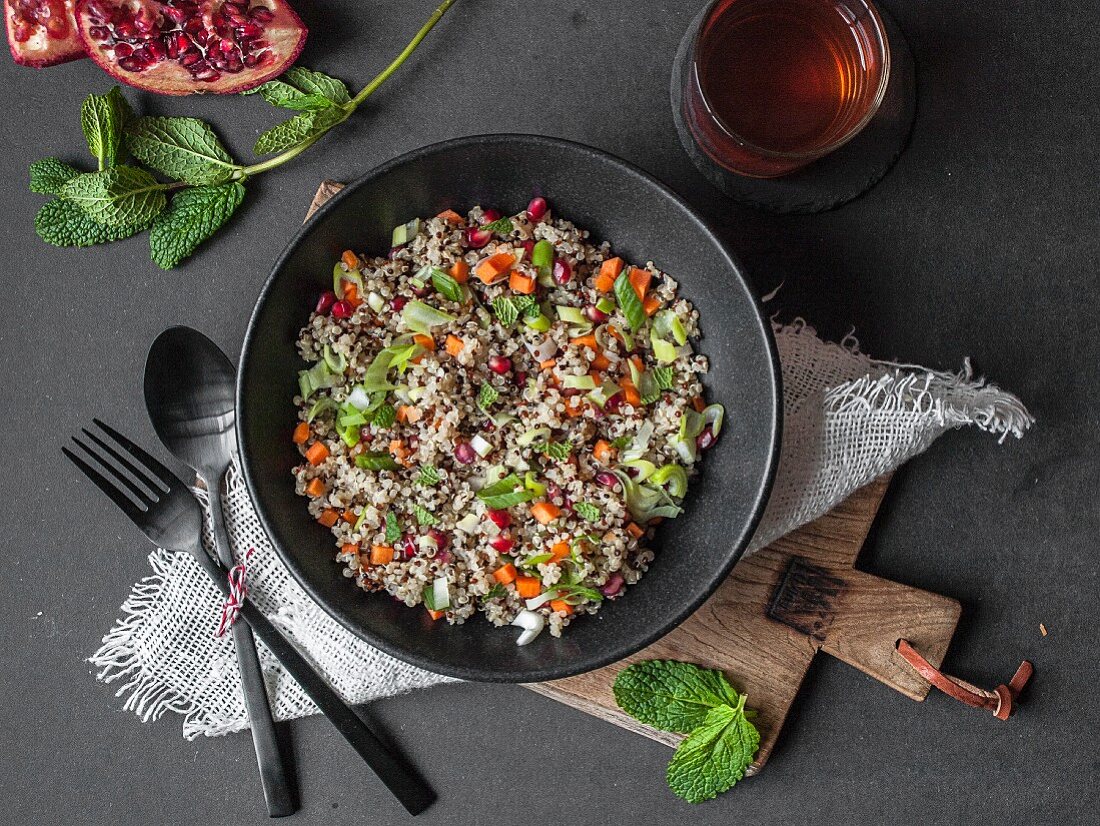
{"points": [[542, 673]]}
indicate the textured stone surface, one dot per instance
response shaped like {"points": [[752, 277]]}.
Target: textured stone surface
{"points": [[983, 240]]}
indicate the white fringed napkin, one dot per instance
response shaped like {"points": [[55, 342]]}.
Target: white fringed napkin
{"points": [[847, 419]]}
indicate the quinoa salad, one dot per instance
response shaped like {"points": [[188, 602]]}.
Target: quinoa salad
{"points": [[495, 416]]}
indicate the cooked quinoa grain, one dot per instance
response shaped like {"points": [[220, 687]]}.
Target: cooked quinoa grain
{"points": [[496, 415]]}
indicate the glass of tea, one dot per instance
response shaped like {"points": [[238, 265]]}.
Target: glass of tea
{"points": [[772, 85]]}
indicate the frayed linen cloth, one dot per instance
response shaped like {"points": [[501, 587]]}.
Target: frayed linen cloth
{"points": [[847, 419]]}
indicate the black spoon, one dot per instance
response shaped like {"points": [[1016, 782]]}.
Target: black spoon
{"points": [[189, 393]]}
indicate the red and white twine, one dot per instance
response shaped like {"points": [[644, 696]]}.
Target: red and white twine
{"points": [[238, 592]]}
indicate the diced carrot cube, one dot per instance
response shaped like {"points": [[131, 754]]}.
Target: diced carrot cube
{"points": [[349, 516], [425, 341], [351, 294], [493, 267], [435, 615], [505, 574], [635, 530], [639, 280], [651, 304], [521, 283], [408, 413], [588, 341], [630, 393], [460, 271], [349, 548], [528, 586], [609, 271], [603, 451], [451, 217], [560, 551], [574, 407], [315, 488], [561, 606], [546, 365], [600, 362], [351, 259], [381, 554], [545, 512], [317, 453], [301, 433], [328, 517], [454, 345]]}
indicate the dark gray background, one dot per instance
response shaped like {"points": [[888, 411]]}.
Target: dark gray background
{"points": [[983, 241]]}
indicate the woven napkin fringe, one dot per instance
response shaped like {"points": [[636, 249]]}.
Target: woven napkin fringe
{"points": [[847, 418]]}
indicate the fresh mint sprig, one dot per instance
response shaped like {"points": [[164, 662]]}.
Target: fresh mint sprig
{"points": [[681, 697], [205, 183]]}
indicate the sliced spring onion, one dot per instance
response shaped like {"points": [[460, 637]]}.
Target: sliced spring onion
{"points": [[322, 405], [666, 323], [534, 603], [645, 502], [532, 625], [535, 561], [535, 434], [481, 447], [584, 382], [605, 305], [535, 487], [628, 300], [691, 424], [647, 388], [375, 301], [673, 478], [317, 377], [405, 233], [501, 419], [543, 350], [540, 324], [420, 317], [376, 377], [359, 522], [350, 416], [305, 387], [713, 414], [685, 449], [640, 444], [495, 474], [504, 494], [437, 597], [337, 362], [416, 393], [446, 285], [350, 435], [468, 523], [601, 394], [542, 259], [644, 468], [572, 315], [663, 351], [376, 461]]}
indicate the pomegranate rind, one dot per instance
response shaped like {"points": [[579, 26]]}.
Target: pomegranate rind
{"points": [[285, 32], [40, 51]]}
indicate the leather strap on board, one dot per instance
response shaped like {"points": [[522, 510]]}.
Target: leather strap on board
{"points": [[999, 700]]}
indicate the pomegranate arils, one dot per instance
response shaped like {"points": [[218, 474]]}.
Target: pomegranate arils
{"points": [[537, 209], [406, 546], [613, 585], [607, 478], [595, 314], [502, 543], [478, 238], [464, 453], [499, 364], [563, 273], [490, 215], [398, 302], [42, 32], [501, 518], [705, 439], [440, 538], [342, 309]]}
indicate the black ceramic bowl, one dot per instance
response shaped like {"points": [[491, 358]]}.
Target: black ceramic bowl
{"points": [[644, 221]]}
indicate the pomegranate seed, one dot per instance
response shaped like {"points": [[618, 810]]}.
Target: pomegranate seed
{"points": [[420, 292], [706, 439], [478, 238], [553, 492], [342, 309], [464, 453], [613, 585], [500, 364], [490, 215], [131, 64], [613, 404], [325, 302], [123, 50], [261, 14], [521, 378], [502, 519], [563, 273], [502, 543], [537, 209], [406, 547], [398, 302], [442, 556], [441, 539], [607, 478], [595, 314]]}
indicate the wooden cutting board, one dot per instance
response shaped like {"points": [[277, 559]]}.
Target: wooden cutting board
{"points": [[776, 611]]}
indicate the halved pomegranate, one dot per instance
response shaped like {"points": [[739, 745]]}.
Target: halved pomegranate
{"points": [[182, 47], [42, 32]]}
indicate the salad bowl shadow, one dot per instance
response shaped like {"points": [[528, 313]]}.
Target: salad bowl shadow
{"points": [[644, 221]]}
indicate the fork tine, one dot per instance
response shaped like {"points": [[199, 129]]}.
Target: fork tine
{"points": [[139, 472], [101, 482], [143, 498], [167, 478]]}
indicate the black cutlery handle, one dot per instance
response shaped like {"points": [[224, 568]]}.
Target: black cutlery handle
{"points": [[274, 777], [397, 775]]}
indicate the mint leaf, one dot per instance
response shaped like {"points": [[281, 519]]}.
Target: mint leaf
{"points": [[285, 96], [393, 530], [628, 300], [317, 83], [486, 395], [664, 377], [383, 416], [102, 117], [505, 310], [64, 224], [528, 305], [298, 130], [558, 450], [182, 148], [428, 477], [715, 755], [49, 175], [588, 511], [503, 226], [671, 696], [424, 516], [194, 215], [120, 196]]}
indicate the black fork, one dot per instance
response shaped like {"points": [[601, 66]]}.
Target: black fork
{"points": [[162, 507]]}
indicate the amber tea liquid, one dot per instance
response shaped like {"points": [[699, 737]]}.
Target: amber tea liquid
{"points": [[779, 83]]}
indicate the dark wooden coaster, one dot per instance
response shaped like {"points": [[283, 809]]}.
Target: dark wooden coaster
{"points": [[837, 178]]}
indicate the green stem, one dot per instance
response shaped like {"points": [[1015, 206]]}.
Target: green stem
{"points": [[367, 91]]}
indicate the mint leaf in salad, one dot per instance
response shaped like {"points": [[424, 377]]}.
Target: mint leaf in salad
{"points": [[628, 300], [424, 516], [506, 493], [588, 511], [681, 697], [503, 226], [486, 396], [393, 529]]}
